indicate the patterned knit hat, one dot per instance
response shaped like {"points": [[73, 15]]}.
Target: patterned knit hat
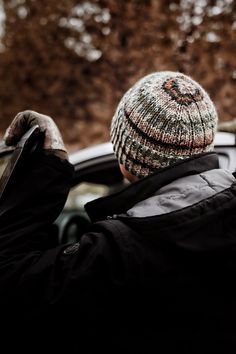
{"points": [[165, 117]]}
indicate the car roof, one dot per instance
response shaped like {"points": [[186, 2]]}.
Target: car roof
{"points": [[224, 139], [91, 152]]}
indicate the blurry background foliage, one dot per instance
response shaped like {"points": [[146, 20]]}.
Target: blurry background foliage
{"points": [[74, 59]]}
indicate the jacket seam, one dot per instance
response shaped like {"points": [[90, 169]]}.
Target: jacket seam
{"points": [[208, 183]]}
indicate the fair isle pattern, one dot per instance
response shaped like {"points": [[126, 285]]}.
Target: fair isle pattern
{"points": [[165, 117]]}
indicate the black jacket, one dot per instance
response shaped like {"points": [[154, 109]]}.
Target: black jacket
{"points": [[163, 283]]}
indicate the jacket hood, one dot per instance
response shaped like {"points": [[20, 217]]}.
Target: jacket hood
{"points": [[120, 202], [207, 225], [183, 192]]}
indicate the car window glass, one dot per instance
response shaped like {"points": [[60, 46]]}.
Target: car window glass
{"points": [[84, 193], [3, 163]]}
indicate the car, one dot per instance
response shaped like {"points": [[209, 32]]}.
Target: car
{"points": [[97, 174]]}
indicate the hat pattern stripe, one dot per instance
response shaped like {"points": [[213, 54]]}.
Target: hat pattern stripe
{"points": [[151, 139], [130, 150], [172, 88], [202, 123], [138, 162], [191, 133]]}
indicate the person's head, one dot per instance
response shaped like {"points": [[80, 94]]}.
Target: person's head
{"points": [[164, 118]]}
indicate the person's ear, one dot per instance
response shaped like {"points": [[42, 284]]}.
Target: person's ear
{"points": [[131, 178]]}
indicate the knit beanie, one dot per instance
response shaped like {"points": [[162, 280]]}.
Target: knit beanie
{"points": [[164, 118]]}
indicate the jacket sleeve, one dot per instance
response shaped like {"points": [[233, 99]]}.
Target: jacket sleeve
{"points": [[81, 274], [34, 198], [83, 277], [33, 275]]}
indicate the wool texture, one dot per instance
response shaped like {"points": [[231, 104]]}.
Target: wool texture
{"points": [[165, 117]]}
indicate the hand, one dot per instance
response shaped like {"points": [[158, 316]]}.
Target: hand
{"points": [[23, 121]]}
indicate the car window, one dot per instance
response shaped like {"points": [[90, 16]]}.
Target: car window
{"points": [[3, 163], [84, 193], [73, 222]]}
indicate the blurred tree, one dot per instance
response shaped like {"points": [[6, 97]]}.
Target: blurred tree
{"points": [[74, 59]]}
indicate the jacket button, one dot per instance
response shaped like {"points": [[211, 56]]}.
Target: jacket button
{"points": [[71, 249]]}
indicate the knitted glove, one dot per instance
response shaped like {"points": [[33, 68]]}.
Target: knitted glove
{"points": [[23, 121]]}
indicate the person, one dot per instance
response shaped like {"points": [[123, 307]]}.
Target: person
{"points": [[156, 270]]}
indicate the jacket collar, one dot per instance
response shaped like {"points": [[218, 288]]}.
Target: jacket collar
{"points": [[125, 199]]}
